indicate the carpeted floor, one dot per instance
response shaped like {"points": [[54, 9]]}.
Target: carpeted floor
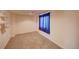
{"points": [[31, 40]]}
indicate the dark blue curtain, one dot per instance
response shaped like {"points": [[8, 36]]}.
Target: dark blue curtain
{"points": [[44, 22]]}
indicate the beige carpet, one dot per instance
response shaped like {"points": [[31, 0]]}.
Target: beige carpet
{"points": [[31, 40]]}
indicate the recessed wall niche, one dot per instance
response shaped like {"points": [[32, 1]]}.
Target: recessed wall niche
{"points": [[2, 24]]}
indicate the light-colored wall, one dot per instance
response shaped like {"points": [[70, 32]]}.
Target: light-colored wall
{"points": [[23, 23], [5, 37], [18, 24], [13, 23], [64, 28]]}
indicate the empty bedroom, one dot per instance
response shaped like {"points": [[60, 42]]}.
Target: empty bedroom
{"points": [[39, 29]]}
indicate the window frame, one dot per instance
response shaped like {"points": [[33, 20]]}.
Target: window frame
{"points": [[43, 29]]}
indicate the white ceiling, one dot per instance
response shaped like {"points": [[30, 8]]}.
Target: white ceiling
{"points": [[29, 12]]}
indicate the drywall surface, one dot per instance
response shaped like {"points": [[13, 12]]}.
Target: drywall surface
{"points": [[23, 23], [5, 37], [63, 28]]}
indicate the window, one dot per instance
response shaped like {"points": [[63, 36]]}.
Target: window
{"points": [[44, 22]]}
